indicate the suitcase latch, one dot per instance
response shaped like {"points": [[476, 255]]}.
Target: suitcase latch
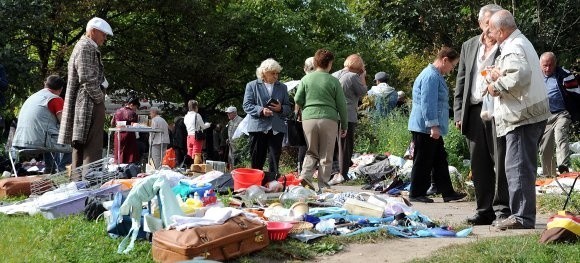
{"points": [[205, 254], [243, 225], [203, 238], [259, 237]]}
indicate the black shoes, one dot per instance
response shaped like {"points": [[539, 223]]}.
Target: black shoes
{"points": [[498, 219], [479, 220], [422, 199], [453, 197]]}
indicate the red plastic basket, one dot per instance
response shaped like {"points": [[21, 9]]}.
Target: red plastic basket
{"points": [[278, 230]]}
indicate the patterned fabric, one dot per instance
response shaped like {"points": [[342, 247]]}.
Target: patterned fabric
{"points": [[85, 75]]}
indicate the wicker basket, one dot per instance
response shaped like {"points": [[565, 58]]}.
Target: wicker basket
{"points": [[301, 226]]}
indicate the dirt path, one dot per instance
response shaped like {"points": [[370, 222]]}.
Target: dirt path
{"points": [[402, 249]]}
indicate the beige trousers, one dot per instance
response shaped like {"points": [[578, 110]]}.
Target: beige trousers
{"points": [[320, 137]]}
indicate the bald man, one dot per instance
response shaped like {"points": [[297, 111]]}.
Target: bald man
{"points": [[557, 132], [520, 112]]}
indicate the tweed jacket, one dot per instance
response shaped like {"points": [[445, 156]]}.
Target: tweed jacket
{"points": [[85, 75], [523, 97], [255, 99]]}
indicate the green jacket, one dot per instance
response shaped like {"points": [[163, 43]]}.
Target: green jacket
{"points": [[320, 96]]}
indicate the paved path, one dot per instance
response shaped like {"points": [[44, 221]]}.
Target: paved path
{"points": [[403, 249]]}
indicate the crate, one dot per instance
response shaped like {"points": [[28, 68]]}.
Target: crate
{"points": [[64, 207], [75, 203], [90, 176]]}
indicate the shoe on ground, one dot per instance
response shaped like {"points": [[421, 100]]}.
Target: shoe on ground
{"points": [[479, 220], [432, 190], [511, 223], [307, 184], [454, 197], [336, 179], [422, 199], [562, 169], [498, 219]]}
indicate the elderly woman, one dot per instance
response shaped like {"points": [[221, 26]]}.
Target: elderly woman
{"points": [[125, 143], [193, 122], [428, 123], [353, 81], [323, 104], [158, 140], [267, 105]]}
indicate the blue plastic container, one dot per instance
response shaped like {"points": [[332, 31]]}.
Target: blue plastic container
{"points": [[199, 190]]}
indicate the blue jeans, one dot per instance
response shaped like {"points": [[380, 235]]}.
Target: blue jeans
{"points": [[521, 164]]}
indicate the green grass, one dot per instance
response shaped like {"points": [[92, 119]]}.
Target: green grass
{"points": [[74, 239], [523, 248], [69, 239]]}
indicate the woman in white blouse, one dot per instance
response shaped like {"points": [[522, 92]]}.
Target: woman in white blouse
{"points": [[194, 122]]}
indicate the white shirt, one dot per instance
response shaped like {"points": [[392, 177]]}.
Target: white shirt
{"points": [[478, 82], [193, 122], [269, 88]]}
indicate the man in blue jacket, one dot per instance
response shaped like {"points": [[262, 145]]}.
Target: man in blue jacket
{"points": [[563, 94]]}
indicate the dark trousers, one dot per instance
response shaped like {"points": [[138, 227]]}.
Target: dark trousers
{"points": [[482, 143], [345, 150], [92, 149], [429, 155], [501, 203], [262, 144]]}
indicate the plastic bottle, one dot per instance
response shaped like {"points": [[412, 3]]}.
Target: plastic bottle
{"points": [[196, 201]]}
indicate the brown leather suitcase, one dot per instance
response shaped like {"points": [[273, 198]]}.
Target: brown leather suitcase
{"points": [[15, 186], [238, 236]]}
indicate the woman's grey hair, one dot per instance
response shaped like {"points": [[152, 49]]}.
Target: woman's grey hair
{"points": [[309, 65], [155, 110], [267, 65], [491, 8], [503, 19]]}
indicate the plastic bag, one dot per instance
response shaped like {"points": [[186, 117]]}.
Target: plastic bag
{"points": [[169, 158]]}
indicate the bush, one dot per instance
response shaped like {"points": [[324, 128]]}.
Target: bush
{"points": [[383, 134]]}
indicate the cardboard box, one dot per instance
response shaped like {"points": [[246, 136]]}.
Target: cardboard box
{"points": [[200, 168]]}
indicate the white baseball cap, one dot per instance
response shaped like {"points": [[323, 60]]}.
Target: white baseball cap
{"points": [[231, 109], [101, 25]]}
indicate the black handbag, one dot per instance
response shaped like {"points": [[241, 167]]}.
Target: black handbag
{"points": [[295, 133], [199, 135]]}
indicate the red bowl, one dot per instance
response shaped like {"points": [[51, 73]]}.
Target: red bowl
{"points": [[278, 230]]}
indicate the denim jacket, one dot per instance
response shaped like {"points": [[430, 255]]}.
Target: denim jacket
{"points": [[255, 99], [430, 102]]}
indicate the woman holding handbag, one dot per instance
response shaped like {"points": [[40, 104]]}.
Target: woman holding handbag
{"points": [[195, 126]]}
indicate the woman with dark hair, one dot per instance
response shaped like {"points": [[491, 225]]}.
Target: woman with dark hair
{"points": [[125, 143], [428, 123], [321, 99]]}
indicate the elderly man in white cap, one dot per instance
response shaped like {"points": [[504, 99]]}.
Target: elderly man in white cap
{"points": [[83, 116], [232, 126]]}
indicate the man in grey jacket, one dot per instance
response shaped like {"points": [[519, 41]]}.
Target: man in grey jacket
{"points": [[521, 110], [490, 184]]}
